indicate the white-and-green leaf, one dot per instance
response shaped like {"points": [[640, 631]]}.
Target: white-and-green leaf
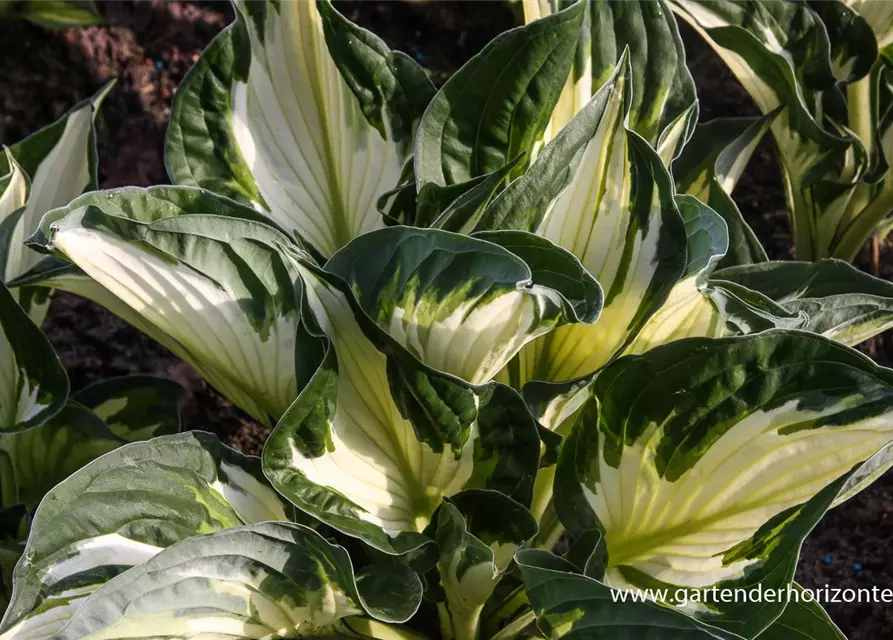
{"points": [[613, 209], [200, 274], [841, 302], [803, 619], [252, 582], [477, 533], [569, 604], [301, 114], [709, 168], [49, 168], [121, 510], [664, 106], [780, 52], [33, 384], [497, 106], [402, 414], [669, 459]]}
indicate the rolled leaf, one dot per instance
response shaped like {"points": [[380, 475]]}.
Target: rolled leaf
{"points": [[59, 162], [301, 114], [135, 407], [664, 105], [498, 104], [569, 604], [207, 279], [709, 169], [615, 214], [379, 436], [121, 510], [465, 306], [780, 52], [669, 459], [33, 384], [259, 581], [477, 533], [841, 302]]}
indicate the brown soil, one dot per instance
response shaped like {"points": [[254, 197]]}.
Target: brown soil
{"points": [[149, 46]]}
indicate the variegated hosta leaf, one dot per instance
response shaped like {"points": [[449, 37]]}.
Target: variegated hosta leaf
{"points": [[706, 462], [780, 52], [709, 169], [699, 307], [569, 604], [664, 103], [842, 302], [58, 163], [41, 457], [464, 306], [302, 114], [477, 533], [121, 510], [135, 407], [497, 106], [269, 580], [615, 214], [803, 619], [854, 46], [377, 438], [33, 384], [200, 274]]}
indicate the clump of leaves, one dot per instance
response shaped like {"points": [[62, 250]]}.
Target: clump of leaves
{"points": [[474, 318]]}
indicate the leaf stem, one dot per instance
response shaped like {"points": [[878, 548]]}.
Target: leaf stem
{"points": [[859, 114], [514, 628], [864, 226]]}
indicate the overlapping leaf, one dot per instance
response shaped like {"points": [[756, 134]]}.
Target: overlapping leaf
{"points": [[199, 274], [402, 413], [121, 510], [301, 114], [44, 171], [670, 456]]}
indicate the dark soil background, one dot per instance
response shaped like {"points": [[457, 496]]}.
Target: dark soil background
{"points": [[149, 46]]}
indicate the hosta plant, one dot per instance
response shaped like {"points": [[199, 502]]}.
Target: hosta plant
{"points": [[474, 318], [46, 432], [821, 71]]}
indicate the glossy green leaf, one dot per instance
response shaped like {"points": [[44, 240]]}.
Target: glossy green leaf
{"points": [[803, 619], [121, 510], [41, 457], [670, 455], [709, 169], [301, 114]]}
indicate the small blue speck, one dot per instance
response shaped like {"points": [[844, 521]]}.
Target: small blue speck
{"points": [[827, 559], [159, 65], [857, 567], [419, 57]]}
